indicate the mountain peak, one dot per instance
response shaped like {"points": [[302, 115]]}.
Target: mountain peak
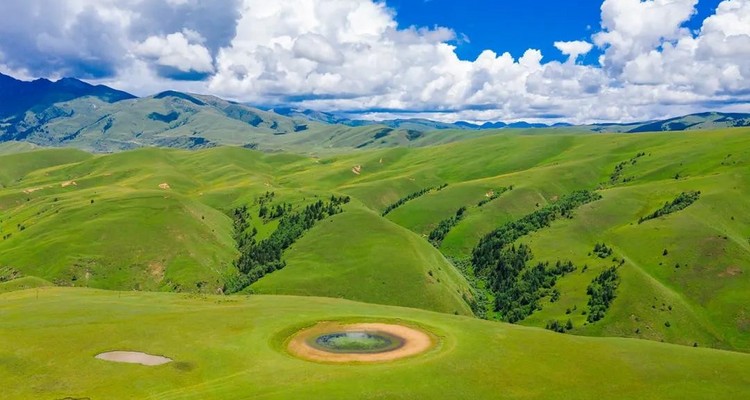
{"points": [[73, 82], [17, 96]]}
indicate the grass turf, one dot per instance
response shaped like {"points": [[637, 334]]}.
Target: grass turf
{"points": [[232, 348]]}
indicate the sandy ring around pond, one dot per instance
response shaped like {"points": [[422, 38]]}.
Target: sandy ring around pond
{"points": [[133, 357], [415, 342]]}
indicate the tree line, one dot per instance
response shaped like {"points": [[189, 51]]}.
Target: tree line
{"points": [[495, 195], [503, 265], [258, 258], [518, 298], [486, 255], [681, 202], [602, 291], [400, 202], [616, 176], [438, 234]]}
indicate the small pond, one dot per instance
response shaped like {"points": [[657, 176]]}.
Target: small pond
{"points": [[357, 342]]}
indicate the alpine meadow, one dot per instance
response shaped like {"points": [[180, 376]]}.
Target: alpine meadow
{"points": [[379, 209]]}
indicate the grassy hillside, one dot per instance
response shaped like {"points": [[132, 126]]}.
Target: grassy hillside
{"points": [[360, 256], [27, 282], [16, 147], [694, 304], [233, 348], [179, 120], [159, 220], [138, 234]]}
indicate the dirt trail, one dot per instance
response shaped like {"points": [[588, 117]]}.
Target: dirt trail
{"points": [[415, 342]]}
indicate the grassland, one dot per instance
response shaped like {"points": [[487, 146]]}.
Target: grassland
{"points": [[136, 235], [232, 347], [16, 147]]}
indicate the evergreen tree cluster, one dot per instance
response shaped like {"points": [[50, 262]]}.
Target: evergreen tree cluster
{"points": [[408, 198], [242, 233], [267, 211], [559, 327], [438, 234], [602, 291], [271, 212], [497, 260], [681, 202], [486, 256], [265, 198], [258, 258], [602, 250], [495, 195], [616, 176], [482, 301], [517, 297]]}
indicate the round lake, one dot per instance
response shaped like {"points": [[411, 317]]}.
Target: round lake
{"points": [[357, 342]]}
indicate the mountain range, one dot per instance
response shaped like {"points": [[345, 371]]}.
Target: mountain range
{"points": [[73, 113]]}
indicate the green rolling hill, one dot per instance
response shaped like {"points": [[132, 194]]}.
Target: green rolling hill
{"points": [[179, 120], [659, 251], [157, 219]]}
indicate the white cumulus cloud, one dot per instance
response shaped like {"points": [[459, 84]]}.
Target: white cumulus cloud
{"points": [[180, 50], [352, 55], [574, 49]]}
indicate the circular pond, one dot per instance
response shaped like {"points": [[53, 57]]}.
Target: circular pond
{"points": [[366, 342], [361, 342]]}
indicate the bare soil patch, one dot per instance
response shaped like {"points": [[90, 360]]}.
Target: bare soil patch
{"points": [[415, 342], [730, 272], [32, 190], [156, 269], [164, 186], [133, 357]]}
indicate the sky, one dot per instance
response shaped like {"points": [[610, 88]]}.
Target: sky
{"points": [[577, 61]]}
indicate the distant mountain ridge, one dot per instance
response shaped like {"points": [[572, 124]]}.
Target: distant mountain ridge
{"points": [[72, 113], [417, 124], [167, 119], [706, 120], [17, 97]]}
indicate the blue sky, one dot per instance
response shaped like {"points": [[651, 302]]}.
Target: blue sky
{"points": [[502, 25], [515, 26], [577, 61]]}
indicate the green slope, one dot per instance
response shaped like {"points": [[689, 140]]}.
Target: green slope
{"points": [[709, 239], [27, 282], [17, 167], [358, 255], [134, 230], [179, 120], [231, 348], [16, 147], [110, 222]]}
